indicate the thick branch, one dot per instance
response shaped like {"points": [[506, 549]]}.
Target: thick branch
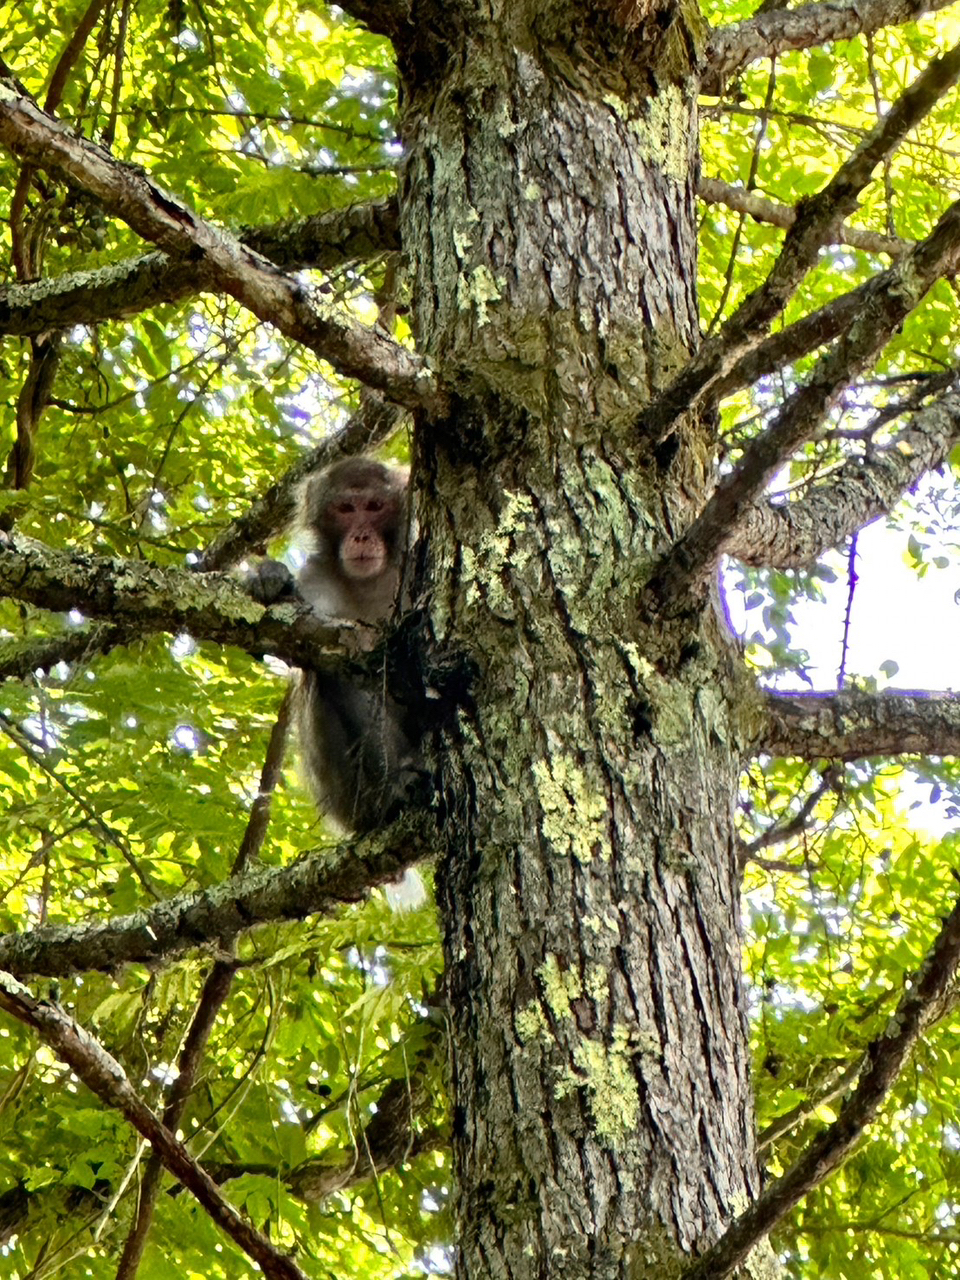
{"points": [[922, 999], [712, 191], [368, 354], [105, 1077], [886, 304], [852, 725], [323, 242], [792, 534], [778, 30], [143, 598], [816, 219], [373, 422], [318, 883]]}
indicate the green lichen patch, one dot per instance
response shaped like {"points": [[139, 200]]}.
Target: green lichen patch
{"points": [[606, 1071], [478, 288], [573, 808]]}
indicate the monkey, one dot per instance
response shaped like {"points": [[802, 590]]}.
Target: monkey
{"points": [[358, 746]]}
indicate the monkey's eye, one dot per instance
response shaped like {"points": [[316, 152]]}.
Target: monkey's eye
{"points": [[374, 505], [344, 508]]}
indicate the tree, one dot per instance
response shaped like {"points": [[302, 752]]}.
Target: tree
{"points": [[502, 253]]}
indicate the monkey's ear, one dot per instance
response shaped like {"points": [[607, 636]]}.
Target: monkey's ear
{"points": [[270, 582]]}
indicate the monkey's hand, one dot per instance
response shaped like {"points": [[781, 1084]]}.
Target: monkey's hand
{"points": [[270, 582]]}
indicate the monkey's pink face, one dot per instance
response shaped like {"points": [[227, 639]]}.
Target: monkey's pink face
{"points": [[359, 524]]}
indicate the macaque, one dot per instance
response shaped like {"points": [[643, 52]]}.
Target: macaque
{"points": [[359, 753]]}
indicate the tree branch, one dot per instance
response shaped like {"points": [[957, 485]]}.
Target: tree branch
{"points": [[816, 218], [322, 242], [891, 297], [354, 350], [791, 534], [105, 1077], [373, 422], [782, 348], [712, 191], [318, 883], [885, 1057], [144, 598], [783, 831], [776, 31], [852, 725]]}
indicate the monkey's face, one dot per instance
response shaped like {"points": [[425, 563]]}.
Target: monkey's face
{"points": [[363, 528]]}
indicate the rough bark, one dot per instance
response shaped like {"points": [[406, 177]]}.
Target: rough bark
{"points": [[317, 883], [141, 598], [603, 1127], [603, 1121], [852, 725]]}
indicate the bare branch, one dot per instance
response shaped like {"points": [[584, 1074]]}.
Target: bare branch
{"points": [[920, 1004], [318, 883], [759, 207], [793, 533], [105, 1077], [852, 725], [373, 422], [783, 831], [840, 1079], [816, 219], [256, 830], [215, 990], [368, 354], [891, 297], [324, 242], [777, 30]]}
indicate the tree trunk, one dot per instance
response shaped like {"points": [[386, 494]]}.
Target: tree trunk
{"points": [[603, 1123]]}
